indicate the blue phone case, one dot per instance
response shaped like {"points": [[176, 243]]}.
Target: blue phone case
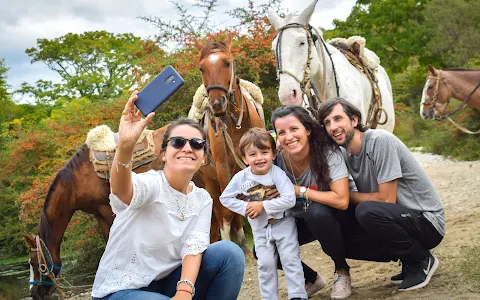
{"points": [[158, 90]]}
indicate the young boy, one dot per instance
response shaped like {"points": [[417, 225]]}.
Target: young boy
{"points": [[274, 229]]}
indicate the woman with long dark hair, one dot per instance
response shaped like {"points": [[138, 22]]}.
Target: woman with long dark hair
{"points": [[317, 168]]}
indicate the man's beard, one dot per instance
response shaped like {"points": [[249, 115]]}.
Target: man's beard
{"points": [[348, 138]]}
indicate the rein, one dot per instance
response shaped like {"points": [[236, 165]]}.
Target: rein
{"points": [[448, 114], [227, 140]]}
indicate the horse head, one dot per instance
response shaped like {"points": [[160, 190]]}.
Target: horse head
{"points": [[218, 73], [42, 268], [295, 52], [435, 96]]}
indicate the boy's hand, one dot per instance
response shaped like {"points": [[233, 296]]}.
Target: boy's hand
{"points": [[254, 209]]}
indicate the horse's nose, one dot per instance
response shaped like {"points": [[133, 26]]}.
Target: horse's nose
{"points": [[218, 104], [294, 93], [34, 292], [427, 115]]}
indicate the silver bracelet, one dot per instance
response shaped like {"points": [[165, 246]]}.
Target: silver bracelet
{"points": [[189, 283], [126, 166]]}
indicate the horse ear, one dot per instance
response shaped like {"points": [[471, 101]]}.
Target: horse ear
{"points": [[199, 45], [304, 17], [228, 41], [432, 70], [30, 239], [274, 19]]}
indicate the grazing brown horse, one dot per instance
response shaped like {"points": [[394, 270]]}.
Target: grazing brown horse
{"points": [[230, 116], [441, 85], [76, 187]]}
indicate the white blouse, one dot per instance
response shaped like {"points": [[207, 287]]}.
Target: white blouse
{"points": [[148, 238]]}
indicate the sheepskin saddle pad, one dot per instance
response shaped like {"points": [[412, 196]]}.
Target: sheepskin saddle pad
{"points": [[249, 90], [356, 45], [102, 142]]}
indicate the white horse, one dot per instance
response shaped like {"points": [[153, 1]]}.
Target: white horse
{"points": [[302, 60]]}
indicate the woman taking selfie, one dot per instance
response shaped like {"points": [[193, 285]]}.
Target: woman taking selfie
{"points": [[159, 244]]}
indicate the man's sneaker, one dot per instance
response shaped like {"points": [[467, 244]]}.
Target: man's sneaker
{"points": [[342, 287], [397, 279], [419, 273], [312, 288]]}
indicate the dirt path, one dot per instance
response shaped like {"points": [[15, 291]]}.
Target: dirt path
{"points": [[458, 276]]}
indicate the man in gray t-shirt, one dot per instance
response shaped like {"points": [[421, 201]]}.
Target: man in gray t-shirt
{"points": [[396, 203]]}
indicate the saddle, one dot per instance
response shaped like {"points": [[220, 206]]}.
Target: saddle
{"points": [[102, 142], [366, 61], [249, 90]]}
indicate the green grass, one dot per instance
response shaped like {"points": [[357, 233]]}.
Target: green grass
{"points": [[13, 260], [469, 267]]}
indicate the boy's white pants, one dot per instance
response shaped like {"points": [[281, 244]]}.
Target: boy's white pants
{"points": [[279, 239]]}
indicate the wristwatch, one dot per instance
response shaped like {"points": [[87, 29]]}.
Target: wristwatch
{"points": [[302, 191]]}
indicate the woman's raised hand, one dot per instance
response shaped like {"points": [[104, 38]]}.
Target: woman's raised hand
{"points": [[132, 124]]}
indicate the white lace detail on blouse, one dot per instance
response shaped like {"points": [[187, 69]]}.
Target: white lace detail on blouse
{"points": [[148, 240]]}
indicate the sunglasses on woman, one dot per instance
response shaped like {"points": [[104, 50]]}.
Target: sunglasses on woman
{"points": [[178, 142]]}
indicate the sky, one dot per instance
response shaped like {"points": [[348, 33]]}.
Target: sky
{"points": [[22, 22]]}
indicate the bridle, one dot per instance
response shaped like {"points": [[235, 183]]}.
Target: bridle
{"points": [[432, 103], [448, 114], [305, 84], [46, 266], [227, 140], [230, 92]]}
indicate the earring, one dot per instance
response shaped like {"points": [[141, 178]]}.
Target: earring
{"points": [[164, 159], [204, 162]]}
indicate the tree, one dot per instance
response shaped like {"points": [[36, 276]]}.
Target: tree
{"points": [[453, 30], [392, 29], [3, 80], [190, 27], [8, 109], [96, 65]]}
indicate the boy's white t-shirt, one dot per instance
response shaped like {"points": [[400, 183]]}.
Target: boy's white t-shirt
{"points": [[275, 208]]}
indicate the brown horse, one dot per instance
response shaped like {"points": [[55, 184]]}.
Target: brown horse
{"points": [[230, 116], [76, 187], [441, 85]]}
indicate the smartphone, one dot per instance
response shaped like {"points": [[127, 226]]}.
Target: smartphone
{"points": [[158, 90]]}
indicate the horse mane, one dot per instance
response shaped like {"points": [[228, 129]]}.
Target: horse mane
{"points": [[213, 47], [65, 176]]}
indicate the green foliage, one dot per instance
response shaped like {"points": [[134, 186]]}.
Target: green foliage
{"points": [[392, 29], [96, 65], [439, 137], [83, 253], [11, 241], [4, 95], [8, 109], [453, 30]]}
